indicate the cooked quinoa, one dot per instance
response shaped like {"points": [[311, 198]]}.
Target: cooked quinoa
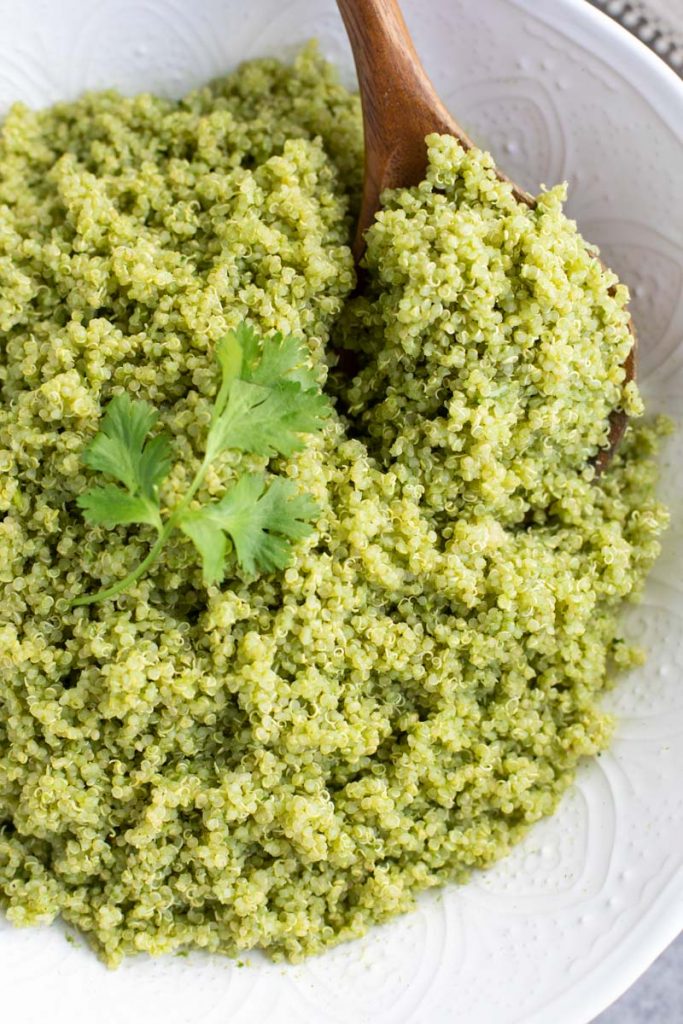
{"points": [[285, 760]]}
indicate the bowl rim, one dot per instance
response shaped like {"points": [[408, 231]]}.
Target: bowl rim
{"points": [[580, 1002], [663, 921]]}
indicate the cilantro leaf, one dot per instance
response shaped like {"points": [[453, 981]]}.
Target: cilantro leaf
{"points": [[109, 505], [154, 465], [230, 355], [269, 396], [267, 420], [119, 448], [210, 541], [122, 449], [261, 523], [275, 360], [276, 364]]}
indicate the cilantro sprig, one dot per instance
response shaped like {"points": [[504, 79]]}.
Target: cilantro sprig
{"points": [[268, 397]]}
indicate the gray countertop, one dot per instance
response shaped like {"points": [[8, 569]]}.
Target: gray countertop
{"points": [[656, 998]]}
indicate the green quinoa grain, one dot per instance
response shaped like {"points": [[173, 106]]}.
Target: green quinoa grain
{"points": [[286, 760]]}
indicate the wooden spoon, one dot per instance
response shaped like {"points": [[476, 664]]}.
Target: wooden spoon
{"points": [[400, 108]]}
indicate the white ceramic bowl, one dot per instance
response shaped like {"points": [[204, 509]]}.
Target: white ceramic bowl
{"points": [[561, 928]]}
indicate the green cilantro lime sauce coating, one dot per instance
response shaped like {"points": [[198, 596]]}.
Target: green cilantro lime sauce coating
{"points": [[289, 756]]}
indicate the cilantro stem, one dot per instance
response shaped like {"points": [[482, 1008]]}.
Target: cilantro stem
{"points": [[197, 482], [117, 588]]}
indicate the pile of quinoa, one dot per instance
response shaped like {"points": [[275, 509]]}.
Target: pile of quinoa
{"points": [[282, 761]]}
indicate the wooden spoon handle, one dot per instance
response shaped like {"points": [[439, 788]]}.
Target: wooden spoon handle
{"points": [[400, 105]]}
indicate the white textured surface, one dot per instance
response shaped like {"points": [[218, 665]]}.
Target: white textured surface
{"points": [[557, 931]]}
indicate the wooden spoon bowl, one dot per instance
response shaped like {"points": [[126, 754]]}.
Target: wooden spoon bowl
{"points": [[400, 108]]}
